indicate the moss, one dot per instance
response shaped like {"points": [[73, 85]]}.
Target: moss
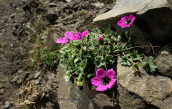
{"points": [[81, 13], [3, 45]]}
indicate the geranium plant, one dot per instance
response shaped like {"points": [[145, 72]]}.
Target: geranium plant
{"points": [[129, 58], [85, 53]]}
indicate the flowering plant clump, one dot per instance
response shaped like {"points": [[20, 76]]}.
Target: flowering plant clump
{"points": [[83, 58], [133, 58], [104, 80], [89, 52]]}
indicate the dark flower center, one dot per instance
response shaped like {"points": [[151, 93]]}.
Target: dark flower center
{"points": [[79, 37], [127, 21], [105, 80], [67, 38]]}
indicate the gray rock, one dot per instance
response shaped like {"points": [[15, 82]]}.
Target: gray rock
{"points": [[7, 105], [98, 5], [15, 78], [68, 1], [68, 18], [51, 17], [2, 91], [164, 60], [20, 18], [52, 5], [34, 4], [52, 37], [151, 89], [153, 18], [128, 100], [37, 81], [69, 96], [22, 78], [37, 74]]}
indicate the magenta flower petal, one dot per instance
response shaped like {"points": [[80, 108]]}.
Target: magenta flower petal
{"points": [[123, 26], [101, 88], [79, 36], [100, 73], [62, 40], [111, 73], [100, 38], [126, 21], [96, 81], [132, 17], [85, 33], [76, 36], [111, 83], [68, 34], [122, 21]]}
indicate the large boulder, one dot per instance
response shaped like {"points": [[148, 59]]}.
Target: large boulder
{"points": [[148, 90], [153, 18], [71, 97], [164, 60]]}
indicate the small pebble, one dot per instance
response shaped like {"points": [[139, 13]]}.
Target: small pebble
{"points": [[37, 82], [1, 91]]}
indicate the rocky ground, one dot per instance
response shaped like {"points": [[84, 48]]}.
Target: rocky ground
{"points": [[25, 27]]}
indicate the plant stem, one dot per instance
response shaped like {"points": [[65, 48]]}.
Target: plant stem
{"points": [[71, 43], [130, 60], [103, 56], [139, 47], [130, 34]]}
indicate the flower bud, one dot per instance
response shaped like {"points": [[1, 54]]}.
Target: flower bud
{"points": [[101, 38]]}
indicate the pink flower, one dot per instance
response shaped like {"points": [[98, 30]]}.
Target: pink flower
{"points": [[126, 21], [100, 39], [104, 79], [79, 36], [65, 39]]}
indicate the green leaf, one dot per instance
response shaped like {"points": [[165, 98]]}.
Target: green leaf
{"points": [[67, 77], [136, 66], [67, 72], [80, 76], [148, 60], [126, 34], [76, 60], [79, 83], [119, 38], [149, 65], [84, 48], [90, 75], [99, 31], [124, 61], [135, 55]]}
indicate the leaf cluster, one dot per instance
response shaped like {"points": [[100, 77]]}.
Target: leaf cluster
{"points": [[83, 58], [135, 59], [48, 57]]}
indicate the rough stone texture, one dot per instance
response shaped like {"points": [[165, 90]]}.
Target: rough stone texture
{"points": [[155, 90], [70, 96], [153, 18], [128, 100], [164, 60]]}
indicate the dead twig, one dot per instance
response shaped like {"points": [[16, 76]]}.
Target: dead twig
{"points": [[142, 46]]}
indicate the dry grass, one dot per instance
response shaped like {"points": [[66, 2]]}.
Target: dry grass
{"points": [[28, 95]]}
